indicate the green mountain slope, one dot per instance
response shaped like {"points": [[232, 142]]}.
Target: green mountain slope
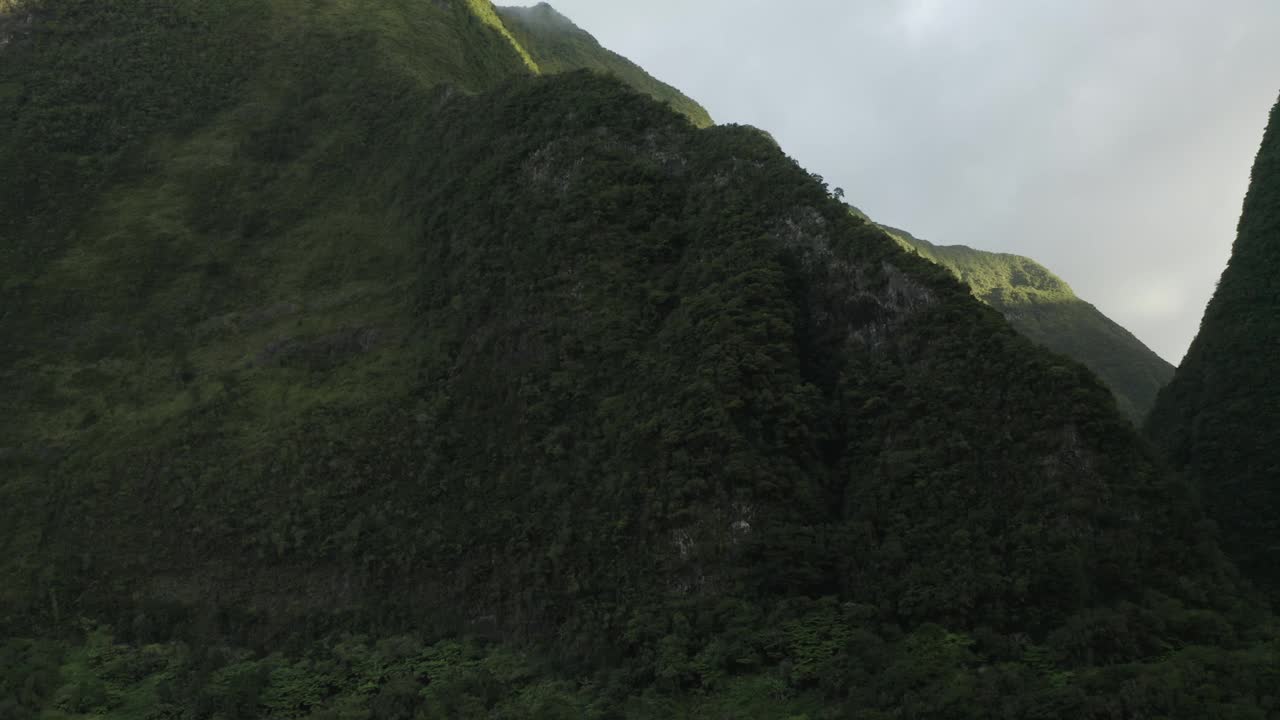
{"points": [[334, 391], [559, 46], [179, 175], [1219, 419], [1044, 308]]}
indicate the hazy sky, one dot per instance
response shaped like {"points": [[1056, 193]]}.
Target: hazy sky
{"points": [[1109, 139]]}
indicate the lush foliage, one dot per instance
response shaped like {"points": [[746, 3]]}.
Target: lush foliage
{"points": [[560, 46], [927, 673], [1219, 419], [1041, 306], [180, 181], [335, 392]]}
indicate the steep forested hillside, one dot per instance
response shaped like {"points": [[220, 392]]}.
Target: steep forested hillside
{"points": [[1044, 308], [559, 46], [351, 370], [1219, 419]]}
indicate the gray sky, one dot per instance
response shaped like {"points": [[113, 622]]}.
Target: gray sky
{"points": [[1110, 140]]}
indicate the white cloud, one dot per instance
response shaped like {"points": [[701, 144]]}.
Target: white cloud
{"points": [[1106, 139], [921, 19]]}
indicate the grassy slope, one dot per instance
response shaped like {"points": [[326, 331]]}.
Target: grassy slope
{"points": [[1220, 416], [1044, 308], [314, 346], [558, 45]]}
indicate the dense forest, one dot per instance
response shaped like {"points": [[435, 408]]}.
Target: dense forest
{"points": [[1043, 307], [1219, 420], [388, 362]]}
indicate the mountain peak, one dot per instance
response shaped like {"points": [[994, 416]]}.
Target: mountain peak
{"points": [[1220, 416], [556, 44], [542, 13], [998, 271], [1042, 306]]}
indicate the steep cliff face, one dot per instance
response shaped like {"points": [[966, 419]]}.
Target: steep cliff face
{"points": [[1041, 306], [364, 348], [1220, 417]]}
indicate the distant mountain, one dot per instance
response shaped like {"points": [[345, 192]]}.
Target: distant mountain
{"points": [[1043, 307], [1219, 420], [557, 45], [352, 365]]}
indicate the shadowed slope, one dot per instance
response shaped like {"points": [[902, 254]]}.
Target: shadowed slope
{"points": [[617, 416], [1220, 417]]}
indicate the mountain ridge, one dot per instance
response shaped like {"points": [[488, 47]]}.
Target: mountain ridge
{"points": [[1217, 420], [344, 393], [1045, 308], [562, 45]]}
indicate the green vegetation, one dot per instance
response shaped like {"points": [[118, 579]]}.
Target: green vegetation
{"points": [[560, 46], [340, 386], [1043, 307], [929, 673], [484, 10], [1219, 420]]}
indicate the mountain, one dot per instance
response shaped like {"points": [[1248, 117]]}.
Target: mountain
{"points": [[1043, 307], [353, 369], [1219, 419], [559, 46]]}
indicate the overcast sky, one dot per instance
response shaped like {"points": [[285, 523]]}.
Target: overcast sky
{"points": [[1110, 140]]}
